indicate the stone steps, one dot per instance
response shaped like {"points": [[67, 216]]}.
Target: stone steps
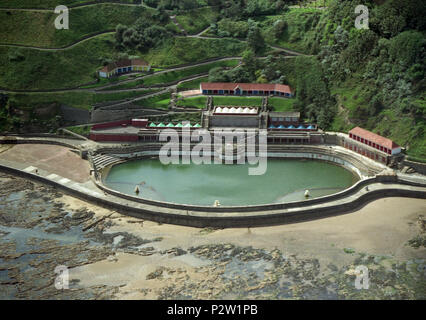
{"points": [[101, 161]]}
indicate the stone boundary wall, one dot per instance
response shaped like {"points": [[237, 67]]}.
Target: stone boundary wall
{"points": [[418, 166], [37, 141], [223, 217], [40, 135], [126, 111], [228, 220]]}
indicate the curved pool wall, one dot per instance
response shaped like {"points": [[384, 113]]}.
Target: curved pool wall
{"points": [[281, 180], [352, 199], [329, 154], [348, 201]]}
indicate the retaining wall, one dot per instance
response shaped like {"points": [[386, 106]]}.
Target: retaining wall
{"points": [[127, 111], [221, 217], [418, 166], [228, 220], [37, 141]]}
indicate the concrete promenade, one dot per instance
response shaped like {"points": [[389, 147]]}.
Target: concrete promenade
{"points": [[88, 191], [369, 188]]}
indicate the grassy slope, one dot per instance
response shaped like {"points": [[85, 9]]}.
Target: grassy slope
{"points": [[78, 65], [193, 84], [35, 70], [161, 101], [187, 50], [197, 20], [176, 75], [82, 100], [32, 28], [44, 4], [300, 28]]}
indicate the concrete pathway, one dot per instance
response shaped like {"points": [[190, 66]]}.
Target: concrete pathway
{"points": [[89, 192]]}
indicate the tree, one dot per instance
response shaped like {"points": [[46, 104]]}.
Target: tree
{"points": [[249, 61], [119, 31], [255, 39], [279, 28], [218, 75]]}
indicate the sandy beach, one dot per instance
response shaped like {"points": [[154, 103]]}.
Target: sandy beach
{"points": [[383, 227], [114, 256]]}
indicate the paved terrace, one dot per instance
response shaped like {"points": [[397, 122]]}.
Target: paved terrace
{"points": [[55, 159]]}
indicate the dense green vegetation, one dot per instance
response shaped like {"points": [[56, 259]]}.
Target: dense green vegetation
{"points": [[290, 28], [48, 4], [372, 78], [196, 20], [186, 50], [81, 130], [176, 4], [377, 74]]}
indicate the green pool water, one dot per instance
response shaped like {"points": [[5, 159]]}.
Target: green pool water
{"points": [[284, 181]]}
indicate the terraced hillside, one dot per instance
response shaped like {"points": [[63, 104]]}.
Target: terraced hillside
{"points": [[343, 77]]}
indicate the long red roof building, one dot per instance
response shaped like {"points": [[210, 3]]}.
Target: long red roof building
{"points": [[374, 140], [245, 88]]}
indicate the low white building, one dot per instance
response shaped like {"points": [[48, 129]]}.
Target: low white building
{"points": [[124, 66]]}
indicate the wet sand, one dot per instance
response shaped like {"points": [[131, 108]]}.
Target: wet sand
{"points": [[380, 228]]}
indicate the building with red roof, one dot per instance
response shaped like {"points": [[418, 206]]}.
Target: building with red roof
{"points": [[124, 66], [245, 89], [371, 145], [374, 140]]}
